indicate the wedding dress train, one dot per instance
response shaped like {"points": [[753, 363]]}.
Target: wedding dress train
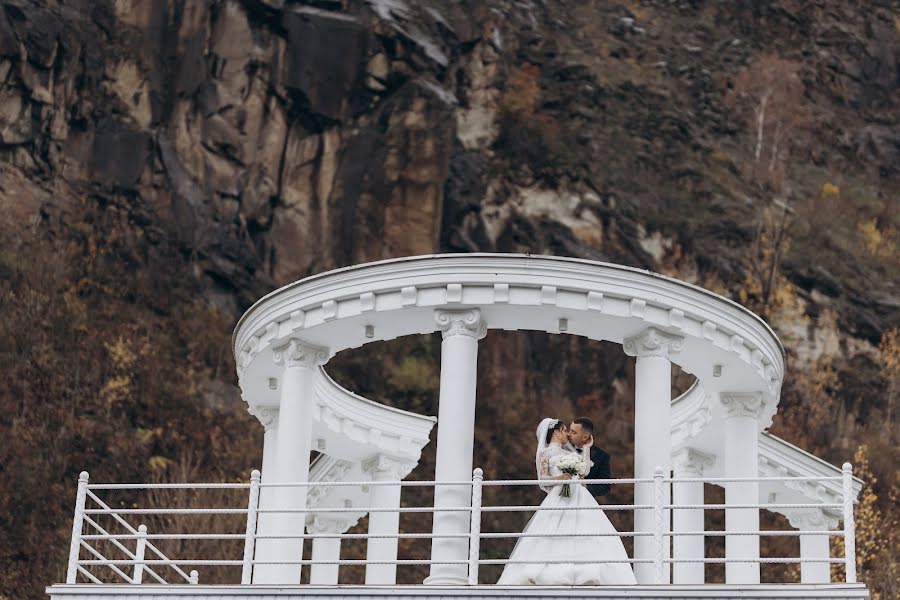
{"points": [[603, 560]]}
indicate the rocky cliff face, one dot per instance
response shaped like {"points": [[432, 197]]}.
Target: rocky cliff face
{"points": [[217, 149]]}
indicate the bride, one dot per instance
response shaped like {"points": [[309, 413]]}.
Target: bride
{"points": [[597, 556]]}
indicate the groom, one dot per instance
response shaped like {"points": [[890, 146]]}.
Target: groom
{"points": [[581, 431]]}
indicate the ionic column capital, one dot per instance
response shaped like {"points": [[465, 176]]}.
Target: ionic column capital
{"points": [[331, 524], [267, 415], [653, 342], [811, 519], [742, 404], [387, 468], [461, 322], [690, 462], [297, 353]]}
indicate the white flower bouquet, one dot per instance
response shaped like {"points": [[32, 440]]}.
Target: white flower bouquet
{"points": [[570, 464]]}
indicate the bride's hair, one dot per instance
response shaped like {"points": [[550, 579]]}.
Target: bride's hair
{"points": [[559, 425]]}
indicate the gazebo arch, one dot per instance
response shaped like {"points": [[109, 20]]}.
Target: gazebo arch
{"points": [[282, 341]]}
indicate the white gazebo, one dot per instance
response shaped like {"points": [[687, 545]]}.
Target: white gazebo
{"points": [[714, 432]]}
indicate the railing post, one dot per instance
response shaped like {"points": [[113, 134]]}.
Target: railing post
{"points": [[139, 551], [194, 578], [849, 527], [658, 499], [250, 540], [475, 526], [77, 523]]}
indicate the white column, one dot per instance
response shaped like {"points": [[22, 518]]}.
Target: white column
{"points": [[652, 434], [688, 463], [741, 435], [265, 525], [291, 463], [455, 439], [327, 548], [813, 546], [383, 469]]}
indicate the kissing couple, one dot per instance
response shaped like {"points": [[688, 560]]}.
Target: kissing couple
{"points": [[569, 525]]}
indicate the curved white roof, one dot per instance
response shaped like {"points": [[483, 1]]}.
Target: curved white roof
{"points": [[353, 306]]}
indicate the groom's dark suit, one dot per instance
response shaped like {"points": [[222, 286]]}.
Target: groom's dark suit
{"points": [[600, 470]]}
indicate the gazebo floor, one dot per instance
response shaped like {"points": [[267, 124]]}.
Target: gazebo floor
{"points": [[415, 592]]}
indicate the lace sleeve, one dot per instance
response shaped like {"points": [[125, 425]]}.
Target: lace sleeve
{"points": [[544, 467]]}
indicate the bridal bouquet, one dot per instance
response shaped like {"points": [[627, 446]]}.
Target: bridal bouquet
{"points": [[570, 464]]}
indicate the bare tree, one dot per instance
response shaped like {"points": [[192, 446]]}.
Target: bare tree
{"points": [[769, 94]]}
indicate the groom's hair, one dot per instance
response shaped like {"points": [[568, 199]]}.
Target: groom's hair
{"points": [[586, 424]]}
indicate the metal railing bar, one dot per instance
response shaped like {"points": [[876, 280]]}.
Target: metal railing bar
{"points": [[728, 506], [497, 561], [401, 483], [115, 542], [114, 568], [113, 538], [401, 509], [754, 560], [168, 486], [525, 508], [168, 511], [104, 506], [498, 482], [89, 575], [172, 564], [429, 509], [498, 535], [169, 536]]}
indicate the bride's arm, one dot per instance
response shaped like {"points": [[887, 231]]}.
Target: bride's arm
{"points": [[544, 471]]}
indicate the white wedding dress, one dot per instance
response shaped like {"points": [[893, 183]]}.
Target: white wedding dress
{"points": [[598, 553]]}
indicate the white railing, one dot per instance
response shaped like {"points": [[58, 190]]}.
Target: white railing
{"points": [[138, 560]]}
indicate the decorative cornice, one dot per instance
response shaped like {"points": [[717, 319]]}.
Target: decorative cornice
{"points": [[298, 353], [690, 414], [810, 519], [267, 415], [742, 404], [331, 524], [653, 342], [690, 462], [333, 470], [377, 427], [387, 468], [461, 322], [365, 303]]}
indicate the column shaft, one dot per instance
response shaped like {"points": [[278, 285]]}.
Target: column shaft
{"points": [[455, 440], [652, 443], [325, 549], [292, 458], [815, 546], [383, 523], [265, 524], [741, 460], [688, 463]]}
